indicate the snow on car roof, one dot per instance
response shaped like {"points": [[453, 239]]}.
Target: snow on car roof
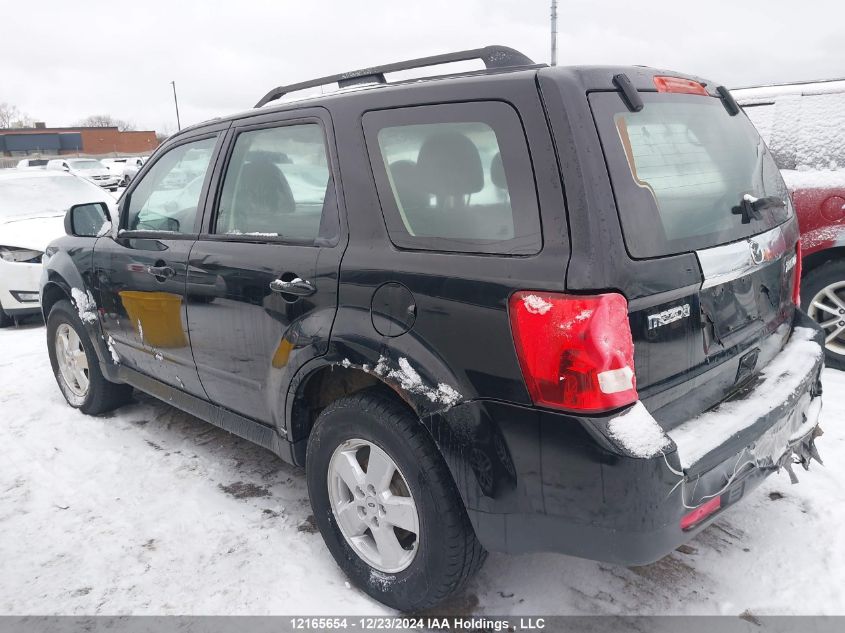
{"points": [[801, 123], [814, 179]]}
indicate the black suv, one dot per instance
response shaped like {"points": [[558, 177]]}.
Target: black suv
{"points": [[519, 309]]}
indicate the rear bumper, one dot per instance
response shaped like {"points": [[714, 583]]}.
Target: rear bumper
{"points": [[543, 481]]}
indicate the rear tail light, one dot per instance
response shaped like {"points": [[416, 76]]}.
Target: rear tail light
{"points": [[691, 519], [679, 85], [576, 352], [796, 281]]}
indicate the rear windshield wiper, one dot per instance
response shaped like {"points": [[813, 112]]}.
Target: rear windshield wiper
{"points": [[749, 207]]}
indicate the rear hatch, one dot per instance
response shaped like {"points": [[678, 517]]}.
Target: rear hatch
{"points": [[688, 177]]}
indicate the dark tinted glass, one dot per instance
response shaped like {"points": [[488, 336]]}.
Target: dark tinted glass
{"points": [[168, 196], [455, 177], [680, 167], [277, 185]]}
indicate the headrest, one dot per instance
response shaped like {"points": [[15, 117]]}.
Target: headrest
{"points": [[264, 189], [449, 164], [406, 182], [497, 172]]}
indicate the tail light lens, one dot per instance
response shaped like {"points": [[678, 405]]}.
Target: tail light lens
{"points": [[679, 85], [796, 281], [576, 352]]}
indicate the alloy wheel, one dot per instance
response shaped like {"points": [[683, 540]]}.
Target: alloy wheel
{"points": [[72, 360], [373, 505], [828, 309]]}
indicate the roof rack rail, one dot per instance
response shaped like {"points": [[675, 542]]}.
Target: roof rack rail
{"points": [[492, 56]]}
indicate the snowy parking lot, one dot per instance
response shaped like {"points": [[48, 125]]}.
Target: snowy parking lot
{"points": [[151, 511]]}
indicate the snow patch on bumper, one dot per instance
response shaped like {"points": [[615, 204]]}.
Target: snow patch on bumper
{"points": [[638, 432], [699, 436]]}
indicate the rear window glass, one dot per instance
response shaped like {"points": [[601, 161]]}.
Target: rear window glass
{"points": [[455, 177], [681, 168]]}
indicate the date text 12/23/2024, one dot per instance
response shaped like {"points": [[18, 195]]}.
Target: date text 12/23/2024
{"points": [[431, 623]]}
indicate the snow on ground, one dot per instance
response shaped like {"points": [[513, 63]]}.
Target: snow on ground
{"points": [[151, 511]]}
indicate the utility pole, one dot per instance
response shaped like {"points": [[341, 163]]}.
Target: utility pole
{"points": [[554, 32], [176, 103]]}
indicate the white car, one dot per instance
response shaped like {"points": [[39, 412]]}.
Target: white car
{"points": [[132, 167], [115, 165], [88, 168], [32, 163], [33, 204], [125, 167]]}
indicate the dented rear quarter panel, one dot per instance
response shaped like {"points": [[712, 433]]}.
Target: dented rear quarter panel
{"points": [[460, 300]]}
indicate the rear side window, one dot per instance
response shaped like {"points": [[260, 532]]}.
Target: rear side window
{"points": [[455, 177], [680, 169]]}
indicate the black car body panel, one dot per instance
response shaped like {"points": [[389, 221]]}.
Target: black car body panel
{"points": [[566, 486], [432, 324]]}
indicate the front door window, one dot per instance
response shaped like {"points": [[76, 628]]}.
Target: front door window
{"points": [[168, 196]]}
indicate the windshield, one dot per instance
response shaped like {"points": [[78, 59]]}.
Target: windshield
{"points": [[46, 195], [85, 164], [681, 168]]}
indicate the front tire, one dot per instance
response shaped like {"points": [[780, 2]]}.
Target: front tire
{"points": [[386, 504], [5, 319], [76, 366], [823, 298]]}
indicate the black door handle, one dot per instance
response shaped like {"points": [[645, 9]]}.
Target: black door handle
{"points": [[160, 272], [298, 287]]}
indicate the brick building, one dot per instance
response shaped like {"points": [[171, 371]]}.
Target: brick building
{"points": [[45, 141]]}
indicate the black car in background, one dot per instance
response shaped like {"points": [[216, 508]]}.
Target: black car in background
{"points": [[519, 309]]}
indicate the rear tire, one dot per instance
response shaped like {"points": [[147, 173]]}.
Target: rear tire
{"points": [[76, 366], [435, 561], [823, 298]]}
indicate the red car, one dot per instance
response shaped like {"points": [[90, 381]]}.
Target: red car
{"points": [[804, 126]]}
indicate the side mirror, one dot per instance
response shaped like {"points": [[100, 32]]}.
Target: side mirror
{"points": [[91, 219], [66, 167]]}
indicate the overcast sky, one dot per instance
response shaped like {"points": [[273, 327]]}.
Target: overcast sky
{"points": [[61, 60]]}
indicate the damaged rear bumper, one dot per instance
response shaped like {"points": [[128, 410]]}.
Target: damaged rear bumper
{"points": [[562, 483]]}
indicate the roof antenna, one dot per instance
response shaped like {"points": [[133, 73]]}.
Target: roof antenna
{"points": [[554, 32]]}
